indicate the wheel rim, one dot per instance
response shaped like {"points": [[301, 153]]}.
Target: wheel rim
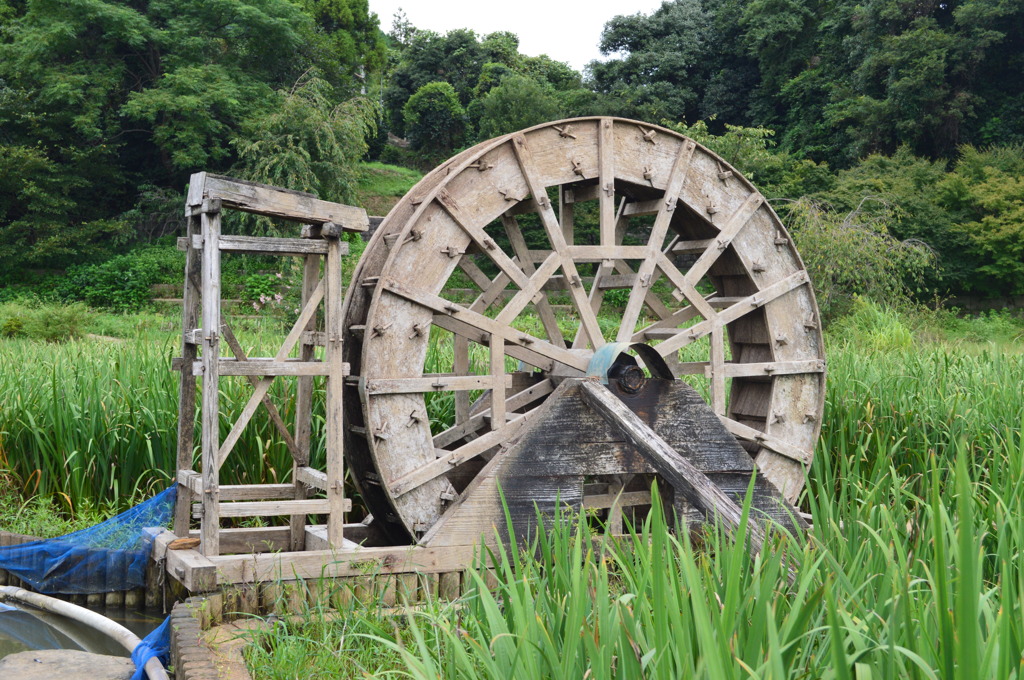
{"points": [[709, 274]]}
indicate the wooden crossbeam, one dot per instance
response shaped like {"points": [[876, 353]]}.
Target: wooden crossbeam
{"points": [[263, 199], [264, 385]]}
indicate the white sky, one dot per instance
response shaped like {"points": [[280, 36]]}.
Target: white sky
{"points": [[564, 30]]}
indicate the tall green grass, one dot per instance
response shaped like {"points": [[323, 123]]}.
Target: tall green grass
{"points": [[913, 568], [92, 422]]}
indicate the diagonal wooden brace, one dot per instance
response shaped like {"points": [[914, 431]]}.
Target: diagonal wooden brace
{"points": [[694, 485]]}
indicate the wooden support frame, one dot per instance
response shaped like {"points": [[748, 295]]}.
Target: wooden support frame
{"points": [[203, 328]]}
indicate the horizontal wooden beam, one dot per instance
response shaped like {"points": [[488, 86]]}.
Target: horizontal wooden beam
{"points": [[311, 477], [238, 492], [264, 245], [625, 499], [434, 384], [314, 564], [268, 367], [263, 199], [315, 506]]}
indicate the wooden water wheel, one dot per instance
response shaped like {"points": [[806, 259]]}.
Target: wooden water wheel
{"points": [[560, 228]]}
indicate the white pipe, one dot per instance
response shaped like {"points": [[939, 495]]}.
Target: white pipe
{"points": [[120, 634]]}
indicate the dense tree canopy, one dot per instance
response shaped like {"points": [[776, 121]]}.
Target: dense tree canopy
{"points": [[900, 113], [99, 99]]}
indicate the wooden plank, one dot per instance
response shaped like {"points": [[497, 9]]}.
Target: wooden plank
{"points": [[487, 325], [588, 319], [309, 339], [482, 240], [645, 272], [311, 477], [499, 381], [210, 412], [448, 459], [261, 389], [680, 473], [340, 563], [335, 464], [309, 506], [737, 370], [725, 236], [522, 251], [730, 314], [268, 367], [625, 499], [265, 245], [191, 298], [599, 253], [606, 181], [239, 492], [478, 420], [264, 199], [639, 208], [275, 416], [432, 384], [769, 442], [192, 569], [467, 331]]}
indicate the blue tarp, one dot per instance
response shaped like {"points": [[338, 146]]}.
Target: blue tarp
{"points": [[107, 557]]}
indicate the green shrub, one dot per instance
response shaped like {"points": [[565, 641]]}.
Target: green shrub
{"points": [[434, 118], [12, 327], [57, 323], [122, 283]]}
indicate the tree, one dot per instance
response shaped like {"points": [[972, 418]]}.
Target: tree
{"points": [[434, 117], [518, 102], [661, 61]]}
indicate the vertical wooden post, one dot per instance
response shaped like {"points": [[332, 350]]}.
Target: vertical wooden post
{"points": [[461, 367], [716, 369], [187, 395], [335, 376], [210, 526], [497, 347], [304, 402], [606, 177]]}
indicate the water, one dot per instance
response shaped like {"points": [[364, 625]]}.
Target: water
{"points": [[24, 628]]}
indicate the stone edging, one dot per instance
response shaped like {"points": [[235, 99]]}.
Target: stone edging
{"points": [[190, 658]]}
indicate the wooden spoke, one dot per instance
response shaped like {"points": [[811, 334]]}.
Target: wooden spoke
{"points": [[685, 289], [727, 316], [767, 441], [725, 236], [475, 274], [606, 181], [478, 420], [554, 230], [544, 311], [448, 459], [470, 332], [655, 243], [482, 240], [488, 326], [603, 271], [530, 291]]}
